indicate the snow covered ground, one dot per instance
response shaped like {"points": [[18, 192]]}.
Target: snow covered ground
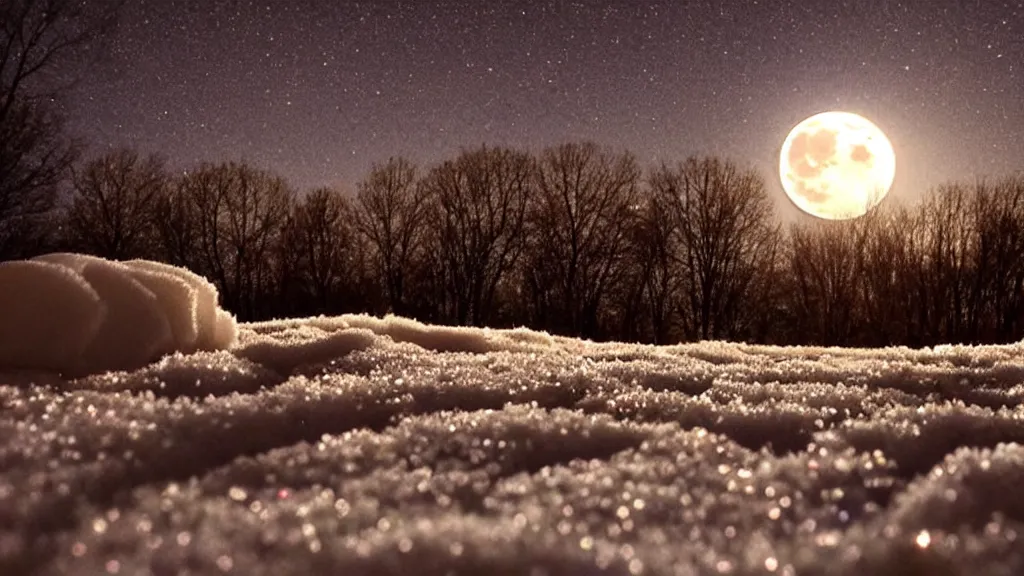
{"points": [[358, 445]]}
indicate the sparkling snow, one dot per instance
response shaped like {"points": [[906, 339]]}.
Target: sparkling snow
{"points": [[359, 445]]}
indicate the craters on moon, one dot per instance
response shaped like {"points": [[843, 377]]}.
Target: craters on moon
{"points": [[837, 165]]}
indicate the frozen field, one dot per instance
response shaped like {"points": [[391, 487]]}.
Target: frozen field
{"points": [[357, 445]]}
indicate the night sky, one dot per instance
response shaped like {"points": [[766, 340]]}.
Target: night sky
{"points": [[317, 91]]}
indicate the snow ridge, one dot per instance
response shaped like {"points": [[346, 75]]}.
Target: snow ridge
{"points": [[359, 445]]}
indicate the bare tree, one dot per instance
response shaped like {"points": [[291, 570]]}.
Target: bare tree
{"points": [[998, 284], [724, 221], [176, 227], [40, 41], [113, 208], [578, 233], [887, 278], [645, 298], [322, 238], [947, 249], [228, 219], [389, 214], [33, 158], [756, 317], [293, 295], [823, 268], [478, 202], [947, 271]]}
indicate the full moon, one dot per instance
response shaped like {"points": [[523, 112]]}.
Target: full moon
{"points": [[837, 165]]}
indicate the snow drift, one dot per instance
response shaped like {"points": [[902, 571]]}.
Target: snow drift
{"points": [[74, 314], [359, 445]]}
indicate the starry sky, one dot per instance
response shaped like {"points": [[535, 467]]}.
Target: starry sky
{"points": [[317, 91]]}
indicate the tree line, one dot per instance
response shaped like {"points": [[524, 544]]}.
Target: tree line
{"points": [[576, 239]]}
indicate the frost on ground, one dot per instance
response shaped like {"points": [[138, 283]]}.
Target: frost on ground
{"points": [[358, 445]]}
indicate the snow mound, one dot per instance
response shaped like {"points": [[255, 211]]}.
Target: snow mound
{"points": [[212, 328], [431, 337], [50, 315], [75, 315]]}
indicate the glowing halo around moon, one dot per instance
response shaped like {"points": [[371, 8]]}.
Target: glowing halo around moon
{"points": [[837, 165]]}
